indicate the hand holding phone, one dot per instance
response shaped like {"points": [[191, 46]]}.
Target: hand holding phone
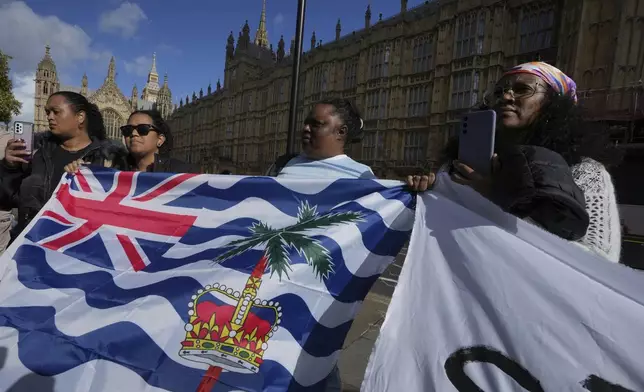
{"points": [[16, 152], [20, 148], [476, 141]]}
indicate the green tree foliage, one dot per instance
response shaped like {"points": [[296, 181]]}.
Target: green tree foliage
{"points": [[9, 105]]}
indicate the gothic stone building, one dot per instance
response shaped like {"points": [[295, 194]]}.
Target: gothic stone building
{"points": [[412, 75], [112, 103]]}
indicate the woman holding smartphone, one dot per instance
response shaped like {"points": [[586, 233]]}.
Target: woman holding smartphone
{"points": [[550, 167], [28, 178]]}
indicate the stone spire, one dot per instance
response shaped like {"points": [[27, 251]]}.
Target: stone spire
{"points": [[403, 6], [151, 89], [164, 99], [367, 17], [218, 84], [261, 36], [209, 88], [230, 46], [313, 41], [338, 30], [111, 71], [134, 99], [84, 85], [281, 52], [153, 70]]}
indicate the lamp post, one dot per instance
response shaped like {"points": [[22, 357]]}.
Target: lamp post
{"points": [[295, 78]]}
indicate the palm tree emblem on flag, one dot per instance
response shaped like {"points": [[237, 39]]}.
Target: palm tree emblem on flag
{"points": [[230, 330]]}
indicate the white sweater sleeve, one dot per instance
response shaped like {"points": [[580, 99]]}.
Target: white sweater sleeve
{"points": [[604, 231]]}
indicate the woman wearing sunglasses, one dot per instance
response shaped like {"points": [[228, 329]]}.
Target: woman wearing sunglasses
{"points": [[148, 140]]}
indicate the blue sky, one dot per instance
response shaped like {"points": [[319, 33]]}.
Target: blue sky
{"points": [[189, 37]]}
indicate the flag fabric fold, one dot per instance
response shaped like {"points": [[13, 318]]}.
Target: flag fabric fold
{"points": [[161, 282], [486, 301]]}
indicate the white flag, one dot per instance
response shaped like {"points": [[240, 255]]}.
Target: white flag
{"points": [[489, 302]]}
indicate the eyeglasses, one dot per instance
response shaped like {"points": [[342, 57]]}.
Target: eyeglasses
{"points": [[519, 90], [141, 129]]}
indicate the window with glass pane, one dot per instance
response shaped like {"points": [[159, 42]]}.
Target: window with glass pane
{"points": [[536, 30], [379, 62], [422, 54], [350, 70], [382, 109], [323, 82], [113, 123], [418, 101], [414, 146], [372, 144], [373, 103], [470, 34], [465, 87]]}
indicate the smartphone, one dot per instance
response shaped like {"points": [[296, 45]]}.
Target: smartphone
{"points": [[476, 140], [25, 131]]}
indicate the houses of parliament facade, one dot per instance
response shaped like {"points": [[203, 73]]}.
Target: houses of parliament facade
{"points": [[112, 103], [413, 75]]}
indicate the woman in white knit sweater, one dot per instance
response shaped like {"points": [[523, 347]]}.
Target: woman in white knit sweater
{"points": [[536, 105]]}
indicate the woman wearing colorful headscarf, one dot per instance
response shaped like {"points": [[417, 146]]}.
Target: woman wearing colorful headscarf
{"points": [[548, 168]]}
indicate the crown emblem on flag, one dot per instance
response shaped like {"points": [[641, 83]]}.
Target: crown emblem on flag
{"points": [[230, 330], [232, 334]]}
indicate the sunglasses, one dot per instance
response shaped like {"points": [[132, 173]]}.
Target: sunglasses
{"points": [[141, 129]]}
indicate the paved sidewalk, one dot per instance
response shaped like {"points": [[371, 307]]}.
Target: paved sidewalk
{"points": [[360, 341], [366, 327]]}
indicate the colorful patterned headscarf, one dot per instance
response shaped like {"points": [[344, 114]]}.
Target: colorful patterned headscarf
{"points": [[557, 80]]}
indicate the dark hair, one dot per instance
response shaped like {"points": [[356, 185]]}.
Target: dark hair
{"points": [[95, 125], [350, 116], [562, 128], [162, 127]]}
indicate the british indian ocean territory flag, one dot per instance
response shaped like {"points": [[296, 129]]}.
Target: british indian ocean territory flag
{"points": [[177, 282]]}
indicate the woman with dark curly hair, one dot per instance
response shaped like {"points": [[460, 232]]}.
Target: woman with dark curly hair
{"points": [[76, 132], [148, 140], [550, 164]]}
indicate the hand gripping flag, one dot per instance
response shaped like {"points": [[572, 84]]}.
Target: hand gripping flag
{"points": [[161, 282]]}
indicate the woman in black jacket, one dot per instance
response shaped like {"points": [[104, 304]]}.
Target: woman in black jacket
{"points": [[77, 132], [550, 164], [148, 140]]}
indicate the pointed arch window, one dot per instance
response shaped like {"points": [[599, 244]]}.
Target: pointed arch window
{"points": [[113, 122], [45, 88]]}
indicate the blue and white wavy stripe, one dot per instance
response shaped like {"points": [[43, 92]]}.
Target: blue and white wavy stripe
{"points": [[95, 306]]}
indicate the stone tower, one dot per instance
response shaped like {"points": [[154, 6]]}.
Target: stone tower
{"points": [[151, 89], [261, 36], [134, 99], [83, 90], [47, 83], [164, 99]]}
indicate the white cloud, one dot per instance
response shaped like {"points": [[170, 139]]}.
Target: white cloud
{"points": [[140, 66], [278, 19], [24, 91], [24, 34], [123, 21]]}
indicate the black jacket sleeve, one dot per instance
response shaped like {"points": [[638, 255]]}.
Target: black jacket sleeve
{"points": [[537, 183], [10, 181]]}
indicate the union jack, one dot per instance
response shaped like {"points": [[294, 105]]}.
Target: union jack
{"points": [[117, 215]]}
